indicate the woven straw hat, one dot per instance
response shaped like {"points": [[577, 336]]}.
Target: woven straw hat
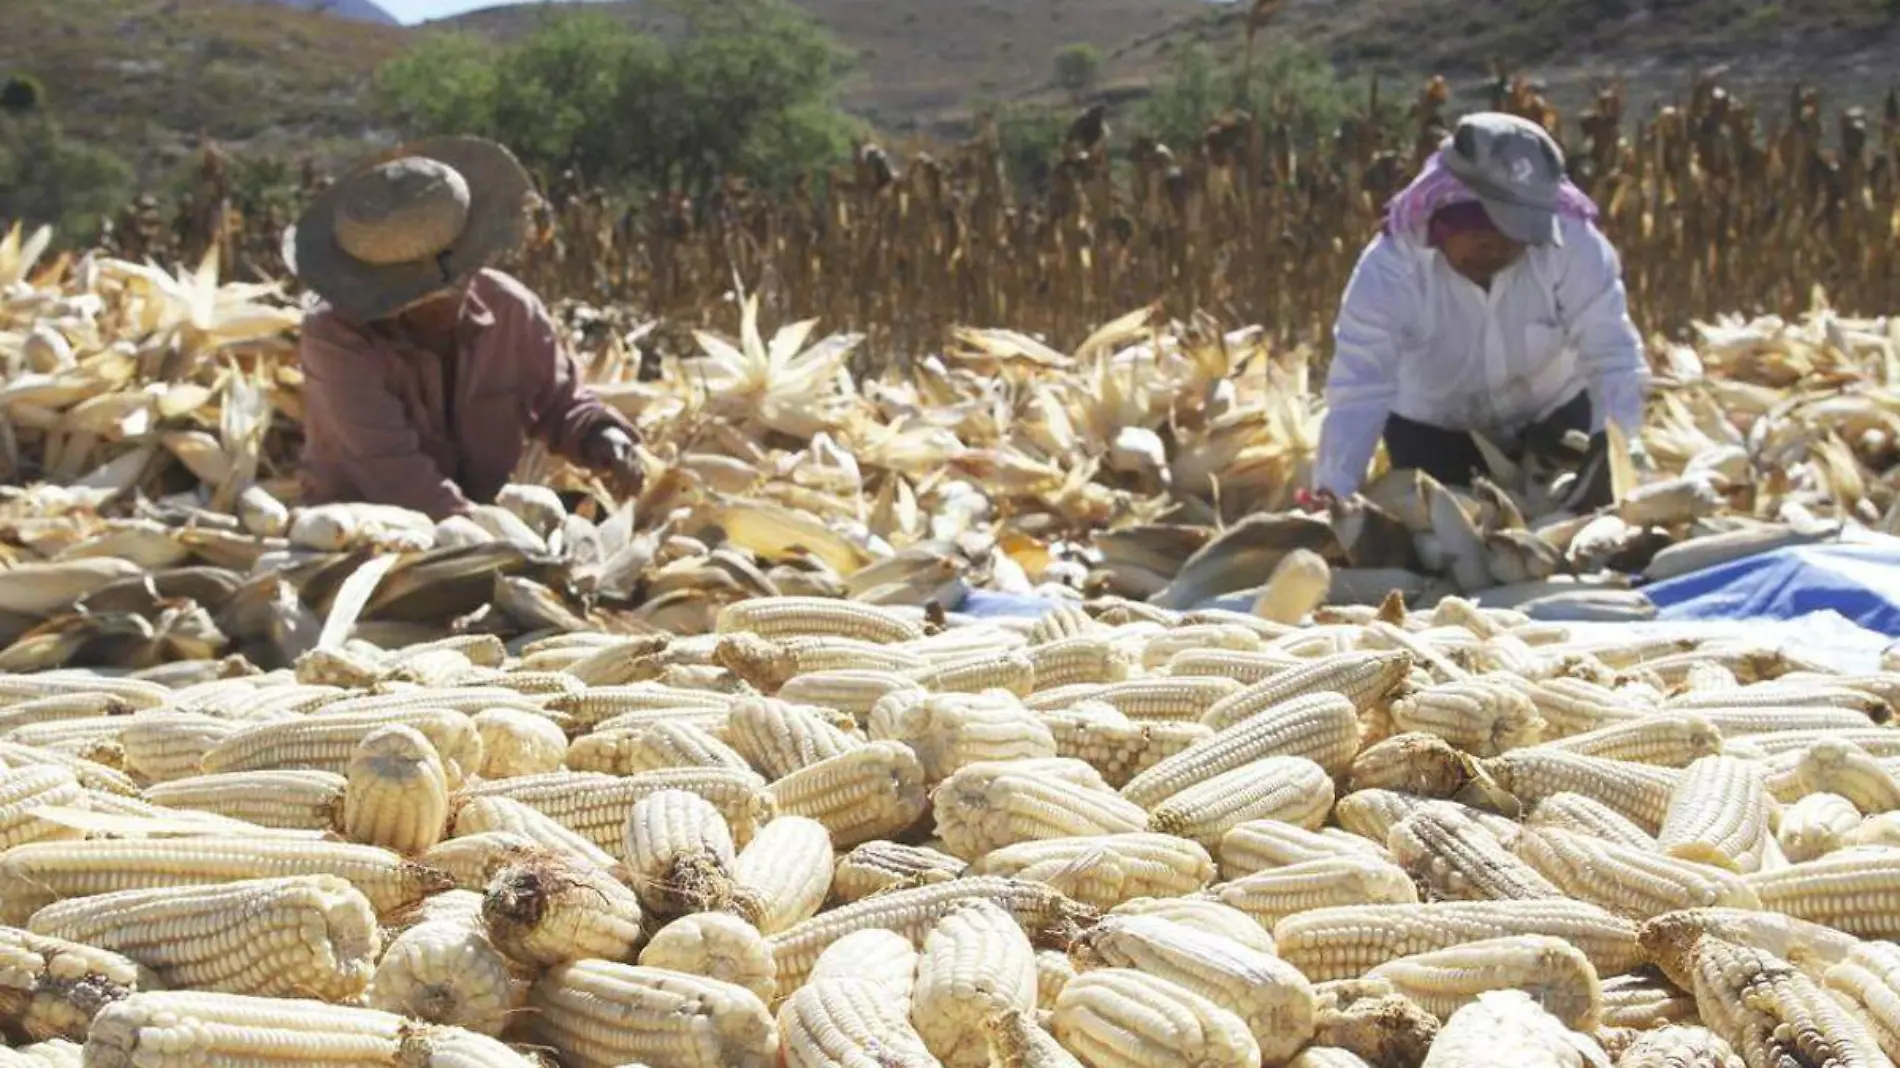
{"points": [[418, 219]]}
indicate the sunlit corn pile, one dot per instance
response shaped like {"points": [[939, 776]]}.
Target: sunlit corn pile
{"points": [[833, 833], [151, 523]]}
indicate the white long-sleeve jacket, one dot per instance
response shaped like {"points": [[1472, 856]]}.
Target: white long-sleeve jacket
{"points": [[1416, 338]]}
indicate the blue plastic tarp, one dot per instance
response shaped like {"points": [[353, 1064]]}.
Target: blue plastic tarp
{"points": [[1858, 580]]}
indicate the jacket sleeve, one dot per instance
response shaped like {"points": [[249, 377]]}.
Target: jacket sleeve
{"points": [[1363, 380], [564, 413], [367, 439], [1594, 306]]}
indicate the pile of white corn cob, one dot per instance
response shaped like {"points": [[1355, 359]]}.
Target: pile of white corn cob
{"points": [[834, 834]]}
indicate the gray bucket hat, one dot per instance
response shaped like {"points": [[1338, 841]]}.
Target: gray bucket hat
{"points": [[1515, 168], [408, 223]]}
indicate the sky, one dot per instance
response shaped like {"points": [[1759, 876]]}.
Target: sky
{"points": [[413, 11]]}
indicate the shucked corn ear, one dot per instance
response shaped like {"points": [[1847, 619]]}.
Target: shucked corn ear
{"points": [[1322, 727], [1347, 941], [679, 852], [599, 1014], [35, 875], [787, 617], [544, 909], [987, 806], [1123, 1018], [784, 874], [311, 936], [444, 970], [1556, 974], [51, 987], [976, 962], [1105, 870], [398, 792]]}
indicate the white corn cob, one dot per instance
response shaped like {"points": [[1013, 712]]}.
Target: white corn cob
{"points": [[1320, 727], [1367, 679], [717, 946], [1204, 914], [976, 962], [288, 800], [1679, 1047], [786, 617], [487, 815], [1091, 658], [398, 793], [779, 737], [1844, 768], [1509, 1027], [542, 909], [986, 806], [39, 873], [160, 746], [1045, 914], [598, 1014], [948, 731], [1629, 881], [91, 775], [1843, 890], [25, 790], [165, 1027], [784, 874], [1239, 665], [884, 959], [680, 854], [1347, 941], [1814, 948], [1459, 860], [1272, 895], [1642, 1000], [1287, 788], [1014, 672], [1412, 762], [1670, 740], [1016, 1040], [1869, 980], [444, 970], [518, 743], [667, 744], [326, 741], [1760, 1004], [1815, 826], [1720, 814], [1164, 698], [1122, 1018], [469, 861], [1054, 969], [1553, 972], [1480, 715], [1117, 747], [1258, 845], [849, 691], [1274, 1000], [597, 806], [51, 987], [848, 1022], [309, 936], [1584, 815], [879, 865], [873, 791], [1371, 815], [1637, 792], [1105, 870]]}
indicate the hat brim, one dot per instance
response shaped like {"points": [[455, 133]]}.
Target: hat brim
{"points": [[1523, 224], [1526, 224], [498, 187]]}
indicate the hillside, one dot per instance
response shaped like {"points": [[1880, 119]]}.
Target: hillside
{"points": [[149, 76], [359, 10]]}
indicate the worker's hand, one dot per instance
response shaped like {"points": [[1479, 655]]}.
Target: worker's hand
{"points": [[1315, 500], [610, 454]]}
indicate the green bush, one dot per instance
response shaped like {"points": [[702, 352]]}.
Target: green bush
{"points": [[1288, 81], [46, 178], [1078, 66], [749, 88]]}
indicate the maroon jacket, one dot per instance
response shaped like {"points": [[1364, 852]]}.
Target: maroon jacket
{"points": [[378, 426]]}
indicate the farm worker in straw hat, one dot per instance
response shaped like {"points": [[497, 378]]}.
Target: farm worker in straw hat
{"points": [[425, 370], [1490, 303]]}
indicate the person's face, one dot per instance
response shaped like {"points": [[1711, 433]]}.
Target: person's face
{"points": [[1480, 254]]}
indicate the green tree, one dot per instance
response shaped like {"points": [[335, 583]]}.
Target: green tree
{"points": [[46, 178], [749, 87], [1078, 66], [1290, 82]]}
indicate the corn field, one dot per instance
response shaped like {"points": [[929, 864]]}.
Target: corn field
{"points": [[1715, 205]]}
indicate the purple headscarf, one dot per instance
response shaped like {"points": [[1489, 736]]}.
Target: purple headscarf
{"points": [[1410, 211]]}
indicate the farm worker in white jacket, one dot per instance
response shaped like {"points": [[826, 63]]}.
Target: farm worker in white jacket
{"points": [[1490, 303]]}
